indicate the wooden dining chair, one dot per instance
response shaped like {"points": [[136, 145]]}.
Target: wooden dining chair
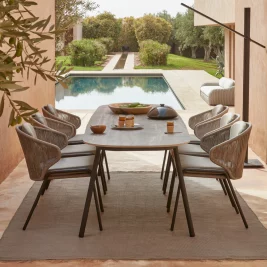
{"points": [[44, 161], [227, 149]]}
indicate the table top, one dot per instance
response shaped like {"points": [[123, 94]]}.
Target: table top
{"points": [[152, 136]]}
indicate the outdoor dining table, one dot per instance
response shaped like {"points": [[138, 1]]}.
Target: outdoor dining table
{"points": [[151, 138]]}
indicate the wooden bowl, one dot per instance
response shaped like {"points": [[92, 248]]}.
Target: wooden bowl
{"points": [[98, 129], [117, 109]]}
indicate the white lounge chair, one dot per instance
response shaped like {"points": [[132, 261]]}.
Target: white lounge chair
{"points": [[222, 92]]}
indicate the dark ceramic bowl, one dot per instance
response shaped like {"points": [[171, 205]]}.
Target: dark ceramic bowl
{"points": [[162, 112]]}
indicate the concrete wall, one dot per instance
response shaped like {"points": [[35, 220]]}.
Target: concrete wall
{"points": [[221, 10], [258, 72], [38, 95]]}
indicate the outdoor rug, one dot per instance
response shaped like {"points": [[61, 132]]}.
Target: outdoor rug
{"points": [[136, 224]]}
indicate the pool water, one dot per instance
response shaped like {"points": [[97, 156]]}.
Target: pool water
{"points": [[92, 92]]}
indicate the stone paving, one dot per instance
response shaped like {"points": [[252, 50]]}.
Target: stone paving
{"points": [[185, 84]]}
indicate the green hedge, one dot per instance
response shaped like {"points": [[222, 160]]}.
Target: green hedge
{"points": [[153, 53], [85, 52]]}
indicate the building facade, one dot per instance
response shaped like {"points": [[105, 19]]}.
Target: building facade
{"points": [[37, 96], [231, 12]]}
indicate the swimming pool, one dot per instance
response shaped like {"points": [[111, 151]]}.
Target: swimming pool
{"points": [[92, 92]]}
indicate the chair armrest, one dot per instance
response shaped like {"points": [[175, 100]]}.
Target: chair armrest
{"points": [[73, 119], [39, 155], [230, 155], [203, 128], [223, 96], [214, 138], [210, 84], [52, 137], [194, 120], [62, 127]]}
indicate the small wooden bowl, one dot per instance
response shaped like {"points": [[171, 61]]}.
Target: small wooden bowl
{"points": [[98, 129]]}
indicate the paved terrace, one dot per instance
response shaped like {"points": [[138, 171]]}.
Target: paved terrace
{"points": [[185, 85]]}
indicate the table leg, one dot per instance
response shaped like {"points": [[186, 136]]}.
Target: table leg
{"points": [[183, 191], [90, 192], [163, 164]]}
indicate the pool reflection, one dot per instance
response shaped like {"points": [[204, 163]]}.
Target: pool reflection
{"points": [[87, 92]]}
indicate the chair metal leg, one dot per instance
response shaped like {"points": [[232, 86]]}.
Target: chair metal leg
{"points": [[223, 187], [99, 195], [106, 163], [103, 181], [237, 203], [175, 207], [184, 194], [97, 210], [230, 196], [102, 172], [163, 164], [167, 173], [42, 189], [89, 193], [171, 190], [45, 187]]}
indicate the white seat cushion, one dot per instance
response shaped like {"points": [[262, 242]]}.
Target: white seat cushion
{"points": [[208, 89], [189, 149], [226, 83], [199, 165]]}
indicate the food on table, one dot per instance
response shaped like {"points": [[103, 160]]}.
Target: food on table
{"points": [[129, 121], [122, 119], [132, 119], [133, 105]]}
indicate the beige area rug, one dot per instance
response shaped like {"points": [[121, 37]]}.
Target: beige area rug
{"points": [[136, 224]]}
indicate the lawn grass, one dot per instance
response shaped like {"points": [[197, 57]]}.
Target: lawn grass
{"points": [[67, 63], [176, 62]]}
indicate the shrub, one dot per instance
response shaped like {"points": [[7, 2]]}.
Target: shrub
{"points": [[153, 53], [85, 52], [127, 35], [108, 43], [153, 28], [100, 49], [103, 25]]}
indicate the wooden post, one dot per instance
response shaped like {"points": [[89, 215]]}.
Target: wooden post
{"points": [[246, 67]]}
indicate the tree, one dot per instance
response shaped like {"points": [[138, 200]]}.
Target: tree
{"points": [[188, 34], [172, 40], [215, 36], [69, 12], [165, 15], [103, 25], [153, 28], [21, 33], [127, 34]]}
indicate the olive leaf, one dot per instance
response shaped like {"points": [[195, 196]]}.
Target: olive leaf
{"points": [[21, 34]]}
